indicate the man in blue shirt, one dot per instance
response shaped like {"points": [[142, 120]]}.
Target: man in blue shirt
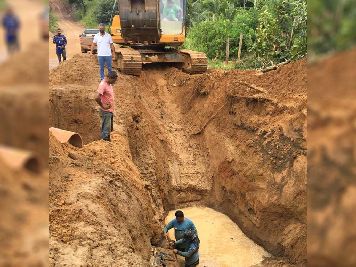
{"points": [[180, 225], [11, 24], [61, 41], [191, 254]]}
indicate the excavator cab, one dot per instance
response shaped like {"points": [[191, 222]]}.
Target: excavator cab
{"points": [[151, 31], [172, 14]]}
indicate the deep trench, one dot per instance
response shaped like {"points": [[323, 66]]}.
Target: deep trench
{"points": [[186, 170], [202, 199]]}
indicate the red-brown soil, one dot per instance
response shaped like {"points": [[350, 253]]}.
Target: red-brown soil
{"points": [[231, 140], [24, 124], [332, 161]]}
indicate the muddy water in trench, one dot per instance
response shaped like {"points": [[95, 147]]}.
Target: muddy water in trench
{"points": [[222, 243]]}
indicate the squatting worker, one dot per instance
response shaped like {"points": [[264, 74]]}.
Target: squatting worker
{"points": [[106, 101], [180, 225], [61, 41], [191, 254], [105, 48]]}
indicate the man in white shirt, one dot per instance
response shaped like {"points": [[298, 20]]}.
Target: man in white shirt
{"points": [[105, 48]]}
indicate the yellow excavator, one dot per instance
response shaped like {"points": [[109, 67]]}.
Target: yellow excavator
{"points": [[151, 31]]}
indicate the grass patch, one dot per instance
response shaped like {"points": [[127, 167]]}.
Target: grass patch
{"points": [[219, 64], [246, 63]]}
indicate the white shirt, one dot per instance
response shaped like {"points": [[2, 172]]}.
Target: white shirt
{"points": [[103, 43]]}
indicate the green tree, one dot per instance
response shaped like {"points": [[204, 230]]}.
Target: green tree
{"points": [[331, 25], [104, 11]]}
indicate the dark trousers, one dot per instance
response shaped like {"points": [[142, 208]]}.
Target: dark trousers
{"points": [[107, 124], [192, 265], [13, 46], [62, 54]]}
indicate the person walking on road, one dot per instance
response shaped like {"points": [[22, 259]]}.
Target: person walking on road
{"points": [[61, 41], [191, 254], [105, 48], [180, 225], [106, 101], [11, 24]]}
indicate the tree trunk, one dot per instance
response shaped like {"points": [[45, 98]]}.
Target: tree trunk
{"points": [[240, 47], [227, 50]]}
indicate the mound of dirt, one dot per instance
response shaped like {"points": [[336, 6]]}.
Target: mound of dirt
{"points": [[79, 70], [100, 212], [231, 140], [332, 161]]}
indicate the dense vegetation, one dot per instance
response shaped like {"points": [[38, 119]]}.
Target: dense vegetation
{"points": [[92, 12], [53, 22], [272, 31], [332, 25]]}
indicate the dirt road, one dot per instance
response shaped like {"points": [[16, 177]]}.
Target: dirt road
{"points": [[70, 29], [28, 12]]}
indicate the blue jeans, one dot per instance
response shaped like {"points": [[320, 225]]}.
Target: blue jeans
{"points": [[107, 123], [102, 62]]}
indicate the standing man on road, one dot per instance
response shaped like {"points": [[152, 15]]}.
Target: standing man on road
{"points": [[106, 101], [105, 48], [11, 24], [180, 225], [61, 41]]}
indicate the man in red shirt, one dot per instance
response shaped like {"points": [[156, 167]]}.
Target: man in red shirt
{"points": [[106, 101]]}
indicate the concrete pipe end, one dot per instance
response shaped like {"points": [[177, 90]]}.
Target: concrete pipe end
{"points": [[32, 165], [76, 140]]}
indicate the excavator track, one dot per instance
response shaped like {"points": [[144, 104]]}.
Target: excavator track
{"points": [[195, 62], [129, 61]]}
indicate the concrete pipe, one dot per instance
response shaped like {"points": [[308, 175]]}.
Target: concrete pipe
{"points": [[17, 159], [64, 136]]}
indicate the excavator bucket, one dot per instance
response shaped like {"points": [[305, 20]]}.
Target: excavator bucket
{"points": [[140, 20]]}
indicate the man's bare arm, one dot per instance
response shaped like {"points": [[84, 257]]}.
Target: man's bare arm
{"points": [[113, 51], [92, 47]]}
